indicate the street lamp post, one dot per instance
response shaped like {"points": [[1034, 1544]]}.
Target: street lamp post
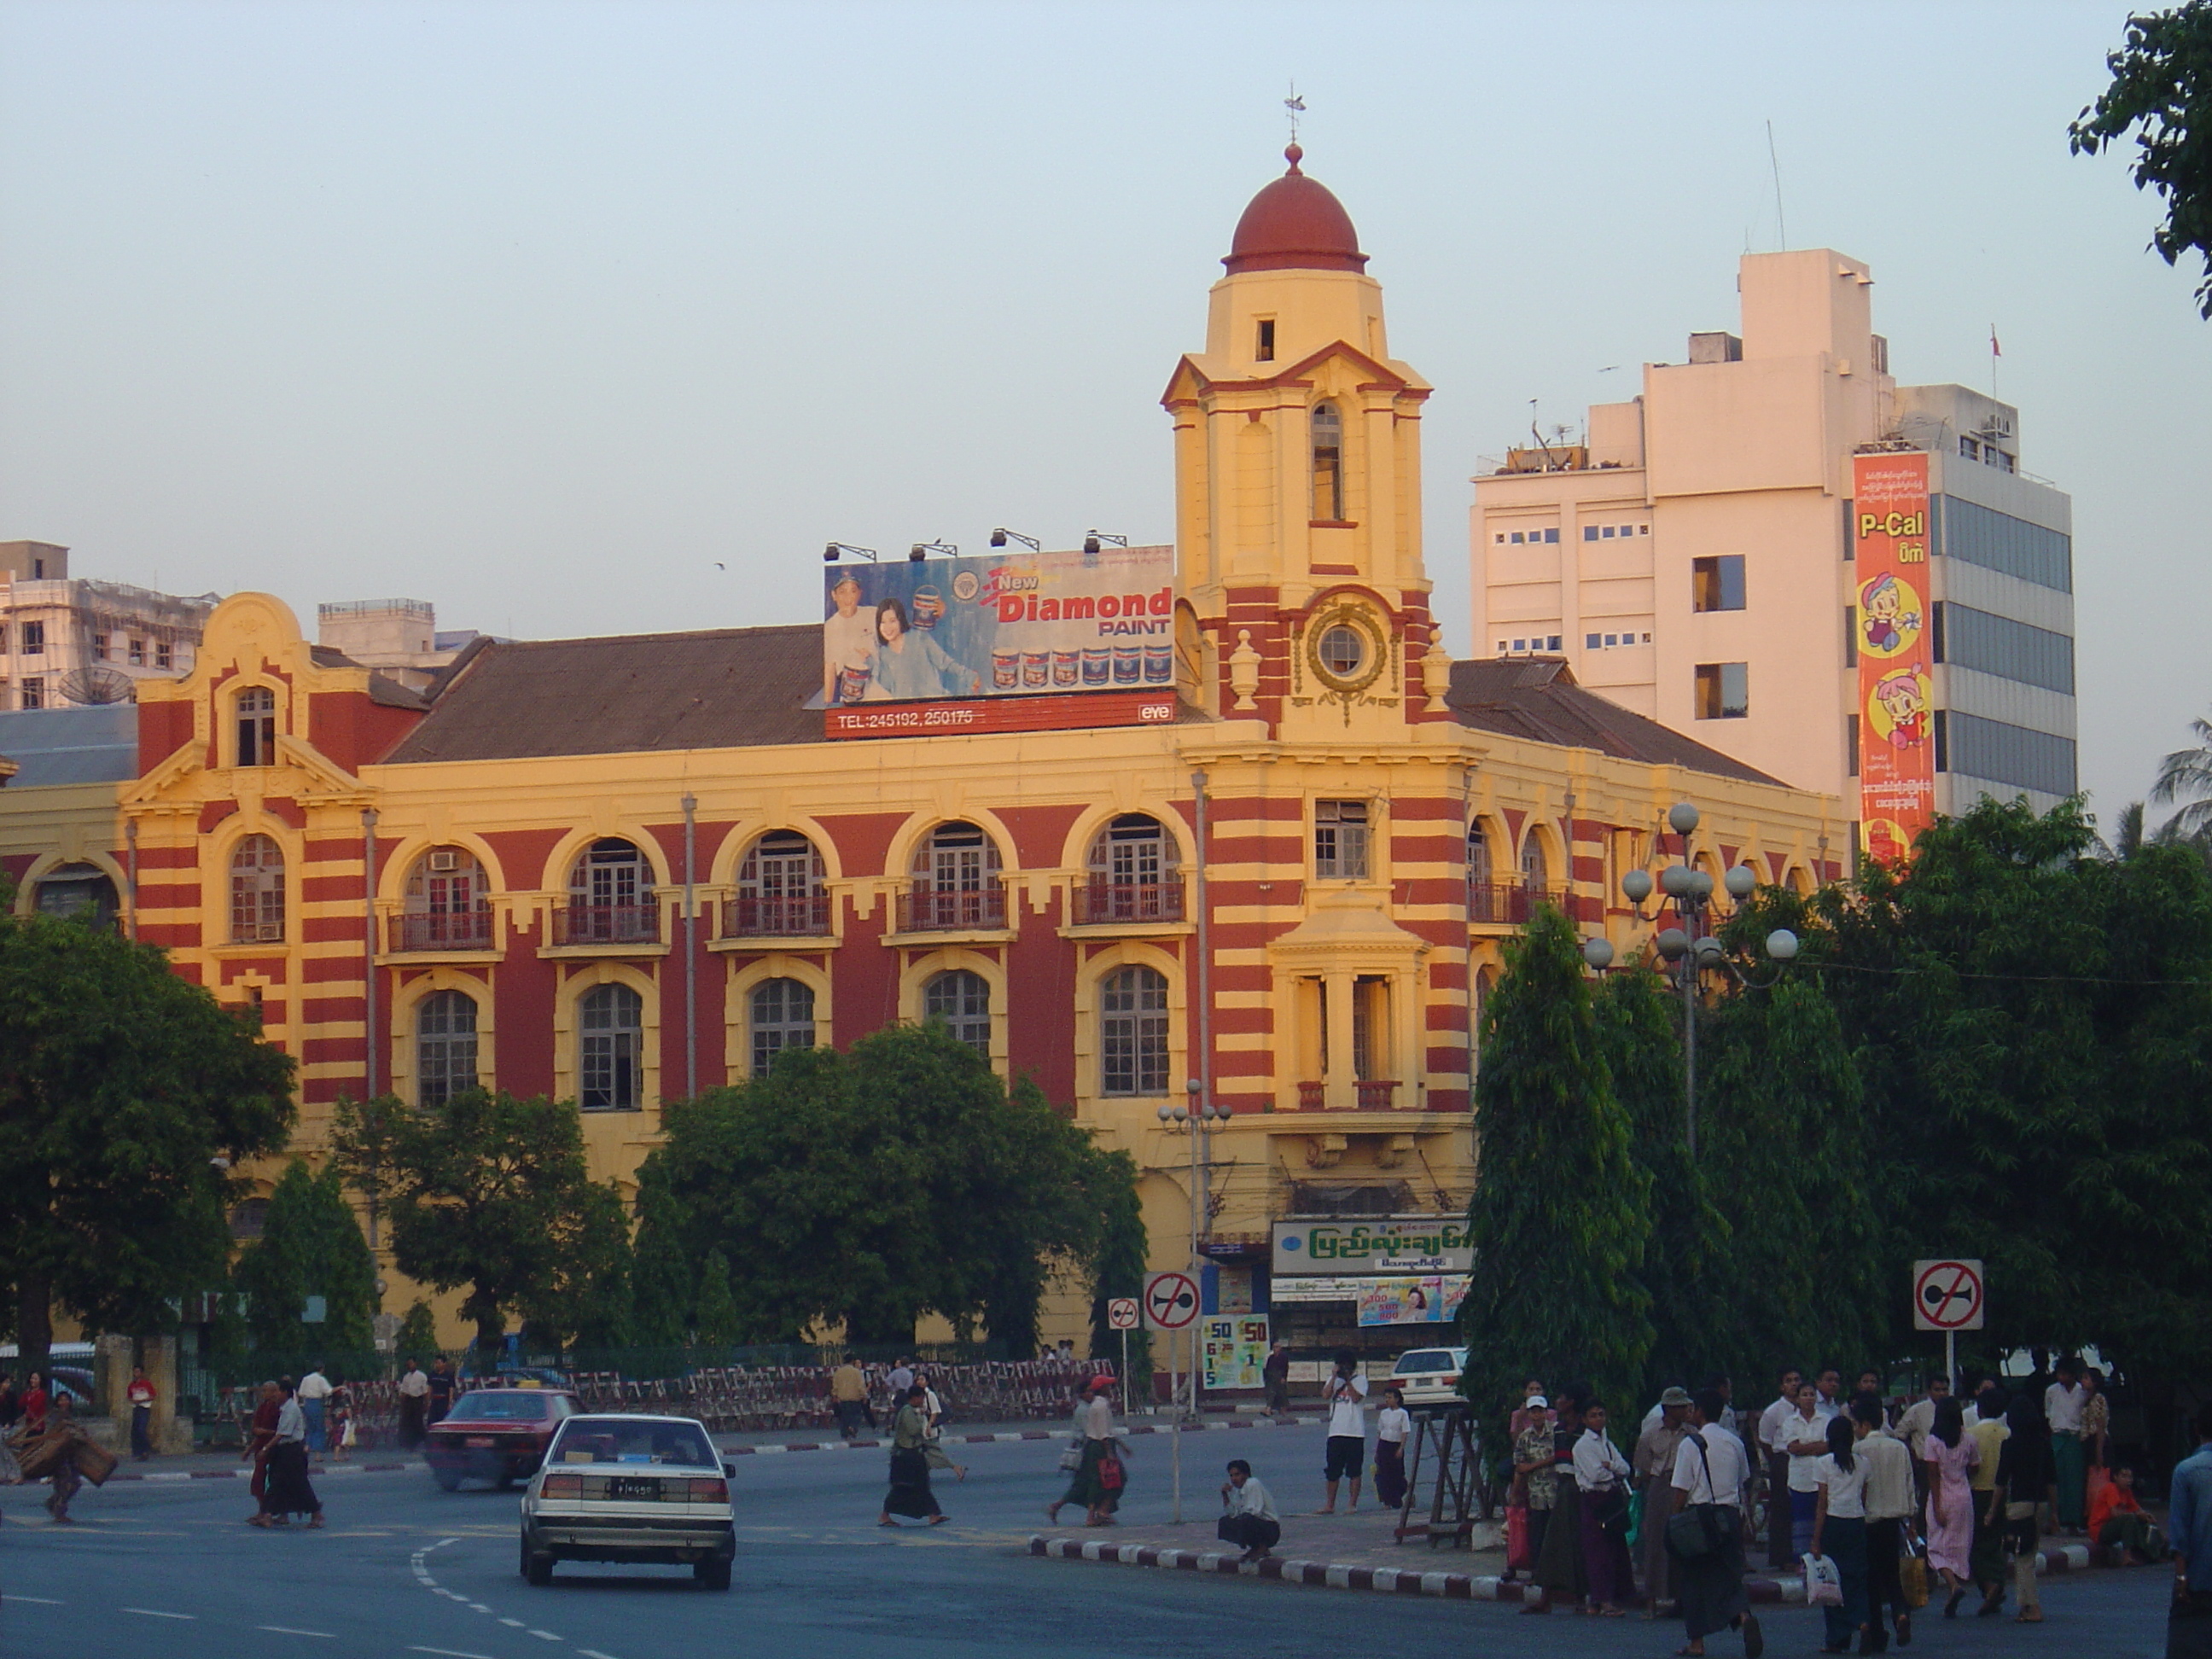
{"points": [[1690, 949], [1194, 1120]]}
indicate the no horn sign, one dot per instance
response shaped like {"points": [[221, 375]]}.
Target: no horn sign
{"points": [[1170, 1302], [1948, 1295]]}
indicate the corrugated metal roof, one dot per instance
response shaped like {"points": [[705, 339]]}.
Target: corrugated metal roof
{"points": [[726, 688], [98, 744], [1537, 698]]}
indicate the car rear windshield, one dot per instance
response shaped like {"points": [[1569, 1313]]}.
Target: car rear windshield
{"points": [[1429, 1359], [499, 1405], [633, 1440]]}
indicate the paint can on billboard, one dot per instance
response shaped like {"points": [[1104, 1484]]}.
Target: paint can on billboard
{"points": [[1896, 693]]}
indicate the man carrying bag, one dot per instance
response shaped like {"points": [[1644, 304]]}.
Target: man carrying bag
{"points": [[1704, 1534]]}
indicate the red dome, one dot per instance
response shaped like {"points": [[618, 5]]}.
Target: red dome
{"points": [[1295, 224]]}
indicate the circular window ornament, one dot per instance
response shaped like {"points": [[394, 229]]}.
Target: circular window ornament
{"points": [[1346, 650]]}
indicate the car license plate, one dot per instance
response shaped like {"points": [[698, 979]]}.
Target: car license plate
{"points": [[642, 1488], [478, 1440]]}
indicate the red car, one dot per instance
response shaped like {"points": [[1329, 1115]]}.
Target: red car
{"points": [[495, 1434]]}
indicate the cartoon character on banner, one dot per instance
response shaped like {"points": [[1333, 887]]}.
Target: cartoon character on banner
{"points": [[1885, 841], [1898, 708], [1889, 616]]}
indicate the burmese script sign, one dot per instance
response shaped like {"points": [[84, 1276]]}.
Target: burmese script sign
{"points": [[1396, 1246], [1897, 748], [1000, 625]]}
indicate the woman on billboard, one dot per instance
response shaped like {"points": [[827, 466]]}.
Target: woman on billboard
{"points": [[909, 666]]}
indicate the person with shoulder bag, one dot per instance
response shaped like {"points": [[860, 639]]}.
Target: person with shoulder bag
{"points": [[1604, 1474], [1706, 1531]]}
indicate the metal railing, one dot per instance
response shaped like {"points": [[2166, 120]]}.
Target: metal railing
{"points": [[1375, 1094], [1100, 902], [776, 917], [944, 910], [1508, 902], [460, 930], [606, 924]]}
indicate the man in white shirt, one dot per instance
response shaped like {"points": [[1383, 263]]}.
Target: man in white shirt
{"points": [[1248, 1518], [1804, 1434], [849, 636], [1346, 1394], [314, 1391], [1777, 1467], [901, 1377], [1890, 1498], [1712, 1468], [2063, 1402], [414, 1391]]}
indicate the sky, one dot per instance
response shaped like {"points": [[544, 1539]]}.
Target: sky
{"points": [[544, 312]]}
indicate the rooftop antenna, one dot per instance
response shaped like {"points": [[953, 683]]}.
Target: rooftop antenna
{"points": [[1781, 225], [1294, 106]]}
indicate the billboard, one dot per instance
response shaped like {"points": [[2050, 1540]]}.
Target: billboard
{"points": [[1236, 1351], [1405, 1245], [1001, 625], [1432, 1299], [1897, 744]]}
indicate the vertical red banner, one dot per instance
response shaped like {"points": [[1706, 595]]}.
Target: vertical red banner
{"points": [[1896, 744]]}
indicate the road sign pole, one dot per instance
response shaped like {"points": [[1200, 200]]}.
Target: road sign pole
{"points": [[1125, 1373], [1175, 1432], [1951, 1358]]}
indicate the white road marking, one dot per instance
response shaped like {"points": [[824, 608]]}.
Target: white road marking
{"points": [[516, 1623], [592, 1653], [43, 1601], [478, 1607], [286, 1630], [442, 1542], [450, 1653], [156, 1612], [545, 1636]]}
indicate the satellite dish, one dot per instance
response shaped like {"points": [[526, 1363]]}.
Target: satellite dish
{"points": [[94, 686]]}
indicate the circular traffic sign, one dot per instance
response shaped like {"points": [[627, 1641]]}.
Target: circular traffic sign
{"points": [[1947, 1295], [1170, 1302], [1121, 1314]]}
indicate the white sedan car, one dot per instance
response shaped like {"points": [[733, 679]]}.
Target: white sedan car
{"points": [[1428, 1377], [647, 1489]]}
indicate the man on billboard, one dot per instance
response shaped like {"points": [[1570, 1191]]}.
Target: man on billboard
{"points": [[848, 642]]}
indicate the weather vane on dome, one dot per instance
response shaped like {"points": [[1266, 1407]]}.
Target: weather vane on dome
{"points": [[1296, 107]]}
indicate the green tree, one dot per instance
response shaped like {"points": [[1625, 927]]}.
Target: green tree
{"points": [[310, 1245], [126, 1092], [418, 1330], [865, 1190], [717, 1316], [2185, 776], [489, 1191], [2161, 95], [1560, 1220], [1690, 1243], [664, 1286], [1124, 1253]]}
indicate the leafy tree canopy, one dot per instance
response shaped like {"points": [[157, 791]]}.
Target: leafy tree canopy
{"points": [[126, 1092], [869, 1187], [2161, 94], [491, 1191], [310, 1245]]}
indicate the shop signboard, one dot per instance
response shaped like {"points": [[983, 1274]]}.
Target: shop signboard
{"points": [[998, 625], [1232, 1351], [1430, 1299], [1897, 744], [1393, 1246]]}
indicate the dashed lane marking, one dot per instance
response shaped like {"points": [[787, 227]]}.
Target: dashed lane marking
{"points": [[286, 1630], [43, 1601], [450, 1653], [156, 1612], [515, 1623], [592, 1653], [545, 1636]]}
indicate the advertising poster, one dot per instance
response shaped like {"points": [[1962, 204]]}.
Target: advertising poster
{"points": [[1897, 742], [1388, 1246], [1232, 1351], [1002, 625], [1431, 1298]]}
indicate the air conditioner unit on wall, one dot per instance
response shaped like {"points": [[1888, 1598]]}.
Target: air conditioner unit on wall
{"points": [[447, 861]]}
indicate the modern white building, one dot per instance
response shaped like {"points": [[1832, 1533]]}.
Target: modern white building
{"points": [[68, 642]]}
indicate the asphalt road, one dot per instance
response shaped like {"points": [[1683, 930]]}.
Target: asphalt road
{"points": [[403, 1569]]}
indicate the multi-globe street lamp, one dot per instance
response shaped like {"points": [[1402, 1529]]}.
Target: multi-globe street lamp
{"points": [[1689, 949]]}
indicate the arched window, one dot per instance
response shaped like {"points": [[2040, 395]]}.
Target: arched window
{"points": [[250, 1219], [610, 896], [1535, 871], [444, 1047], [78, 890], [257, 726], [1327, 464], [1133, 1033], [256, 891], [956, 881], [783, 1018], [611, 1042], [448, 903], [780, 889], [963, 1001], [1478, 854], [1133, 873]]}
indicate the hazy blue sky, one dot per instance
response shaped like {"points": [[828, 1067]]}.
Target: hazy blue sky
{"points": [[536, 311]]}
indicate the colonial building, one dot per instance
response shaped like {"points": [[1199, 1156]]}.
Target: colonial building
{"points": [[618, 870]]}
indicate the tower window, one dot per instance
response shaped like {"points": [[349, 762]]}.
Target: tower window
{"points": [[1340, 830], [1724, 691], [257, 726], [1263, 348], [1717, 584], [1327, 464], [34, 640], [1343, 651]]}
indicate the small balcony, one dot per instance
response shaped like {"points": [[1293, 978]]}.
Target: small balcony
{"points": [[1312, 1096], [951, 911], [463, 930], [1508, 903], [606, 924], [777, 916], [1368, 1095], [1100, 904]]}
